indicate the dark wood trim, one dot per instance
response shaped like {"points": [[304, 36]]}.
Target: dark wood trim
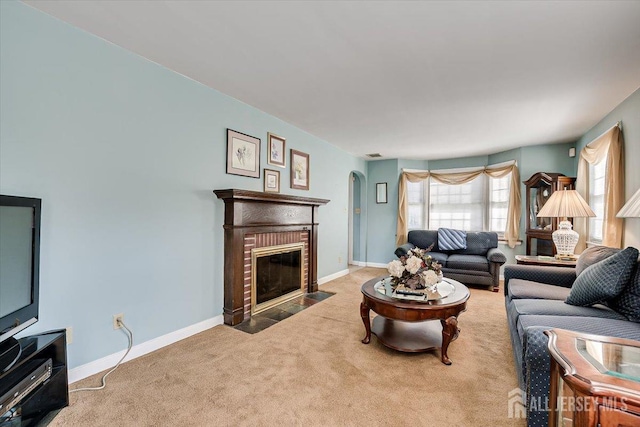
{"points": [[268, 197], [249, 212]]}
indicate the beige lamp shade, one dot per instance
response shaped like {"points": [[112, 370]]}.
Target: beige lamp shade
{"points": [[565, 204], [631, 209]]}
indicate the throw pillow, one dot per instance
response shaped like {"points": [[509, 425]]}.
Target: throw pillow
{"points": [[450, 239], [628, 302], [604, 280], [593, 255]]}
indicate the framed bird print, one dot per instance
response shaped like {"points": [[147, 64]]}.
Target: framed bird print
{"points": [[243, 154], [276, 146]]}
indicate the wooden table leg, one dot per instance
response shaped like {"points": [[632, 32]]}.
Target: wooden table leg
{"points": [[364, 313], [449, 333]]}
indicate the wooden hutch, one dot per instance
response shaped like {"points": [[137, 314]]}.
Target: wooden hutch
{"points": [[539, 188]]}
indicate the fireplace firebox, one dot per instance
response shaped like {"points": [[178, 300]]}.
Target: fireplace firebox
{"points": [[277, 275]]}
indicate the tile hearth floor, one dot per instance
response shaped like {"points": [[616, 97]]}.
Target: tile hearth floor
{"points": [[270, 317]]}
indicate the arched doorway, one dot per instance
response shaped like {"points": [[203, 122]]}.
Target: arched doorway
{"points": [[357, 219]]}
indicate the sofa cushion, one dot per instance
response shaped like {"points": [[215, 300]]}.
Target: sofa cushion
{"points": [[451, 240], [424, 238], [560, 308], [628, 302], [589, 325], [439, 256], [479, 242], [468, 262], [526, 289], [592, 256], [603, 280]]}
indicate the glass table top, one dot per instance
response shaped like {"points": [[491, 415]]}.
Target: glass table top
{"points": [[617, 360], [443, 290]]}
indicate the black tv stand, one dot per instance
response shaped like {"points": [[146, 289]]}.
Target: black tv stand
{"points": [[10, 351], [48, 397]]}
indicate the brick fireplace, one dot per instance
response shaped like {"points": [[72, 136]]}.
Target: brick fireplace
{"points": [[255, 220]]}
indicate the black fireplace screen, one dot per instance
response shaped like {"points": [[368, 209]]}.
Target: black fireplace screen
{"points": [[277, 275]]}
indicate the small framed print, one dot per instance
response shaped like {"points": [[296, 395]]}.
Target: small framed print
{"points": [[381, 192], [276, 145], [299, 170], [243, 154], [271, 181]]}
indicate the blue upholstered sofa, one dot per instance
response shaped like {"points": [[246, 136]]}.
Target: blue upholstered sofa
{"points": [[535, 301], [478, 264]]}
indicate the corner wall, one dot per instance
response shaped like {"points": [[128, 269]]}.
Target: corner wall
{"points": [[125, 154], [628, 112]]}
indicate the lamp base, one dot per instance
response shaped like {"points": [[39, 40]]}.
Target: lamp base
{"points": [[565, 240]]}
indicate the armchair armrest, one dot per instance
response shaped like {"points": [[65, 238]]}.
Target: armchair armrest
{"points": [[496, 255], [402, 250], [559, 276]]}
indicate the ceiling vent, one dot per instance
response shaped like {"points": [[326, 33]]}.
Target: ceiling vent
{"points": [[373, 155]]}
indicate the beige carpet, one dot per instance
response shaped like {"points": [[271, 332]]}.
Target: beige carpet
{"points": [[312, 370]]}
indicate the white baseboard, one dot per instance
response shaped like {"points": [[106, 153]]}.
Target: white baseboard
{"points": [[325, 279], [358, 263], [107, 362], [377, 265]]}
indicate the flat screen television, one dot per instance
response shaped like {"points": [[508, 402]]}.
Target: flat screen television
{"points": [[19, 271]]}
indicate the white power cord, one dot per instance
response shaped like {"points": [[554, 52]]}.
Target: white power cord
{"points": [[104, 378]]}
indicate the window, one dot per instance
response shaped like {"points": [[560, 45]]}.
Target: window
{"points": [[415, 204], [596, 199], [499, 189], [457, 206], [481, 204]]}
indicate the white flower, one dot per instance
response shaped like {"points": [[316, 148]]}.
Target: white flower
{"points": [[430, 278], [395, 268], [413, 264]]}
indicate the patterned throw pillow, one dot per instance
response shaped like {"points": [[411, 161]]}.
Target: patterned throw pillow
{"points": [[604, 280], [450, 240], [592, 255], [628, 302]]}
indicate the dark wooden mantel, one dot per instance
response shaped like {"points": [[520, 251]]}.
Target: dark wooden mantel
{"points": [[248, 211]]}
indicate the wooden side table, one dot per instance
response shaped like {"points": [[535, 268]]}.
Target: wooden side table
{"points": [[595, 380], [543, 260]]}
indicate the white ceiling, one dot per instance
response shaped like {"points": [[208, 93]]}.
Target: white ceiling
{"points": [[423, 80]]}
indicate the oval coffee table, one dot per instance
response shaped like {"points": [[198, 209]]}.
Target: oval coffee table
{"points": [[413, 326]]}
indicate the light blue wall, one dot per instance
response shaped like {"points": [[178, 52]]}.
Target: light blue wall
{"points": [[125, 155], [628, 112], [382, 218], [461, 162]]}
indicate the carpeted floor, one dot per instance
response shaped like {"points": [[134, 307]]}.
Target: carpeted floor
{"points": [[312, 370]]}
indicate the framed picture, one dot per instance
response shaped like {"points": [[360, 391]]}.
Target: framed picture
{"points": [[271, 181], [243, 154], [381, 192], [299, 170], [276, 154]]}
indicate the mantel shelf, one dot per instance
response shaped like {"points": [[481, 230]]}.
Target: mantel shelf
{"points": [[258, 196]]}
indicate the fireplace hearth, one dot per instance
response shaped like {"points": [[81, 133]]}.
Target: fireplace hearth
{"points": [[253, 221]]}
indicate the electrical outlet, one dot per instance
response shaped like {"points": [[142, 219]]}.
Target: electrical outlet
{"points": [[117, 318], [69, 334], [339, 260]]}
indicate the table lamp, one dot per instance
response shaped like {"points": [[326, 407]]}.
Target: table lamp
{"points": [[565, 204], [631, 209]]}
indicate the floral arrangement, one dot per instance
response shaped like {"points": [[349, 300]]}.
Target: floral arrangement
{"points": [[415, 270]]}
